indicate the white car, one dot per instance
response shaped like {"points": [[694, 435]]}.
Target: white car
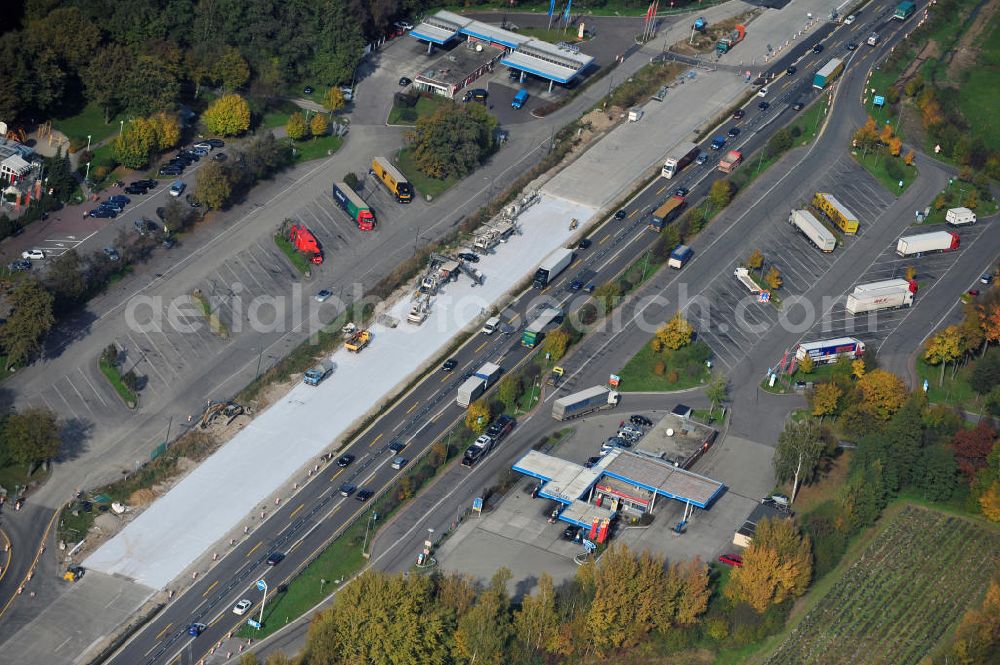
{"points": [[177, 188], [203, 146], [33, 254], [762, 92], [241, 607], [850, 19]]}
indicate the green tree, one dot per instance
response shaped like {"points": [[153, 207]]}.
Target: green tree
{"points": [[333, 99], [780, 141], [555, 344], [717, 390], [755, 260], [537, 621], [69, 34], [318, 125], [65, 281], [152, 85], [608, 295], [721, 193], [59, 172], [296, 127], [938, 473], [214, 185], [106, 78], [477, 418], [228, 115], [510, 389], [31, 436], [231, 70], [800, 448], [29, 321], [863, 496], [133, 147], [452, 141], [485, 630]]}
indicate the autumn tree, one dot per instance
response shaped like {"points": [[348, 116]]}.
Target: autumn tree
{"points": [[895, 146], [721, 193], [477, 418], [944, 348], [825, 399], [807, 365], [319, 125], [755, 260], [973, 446], [485, 630], [675, 333], [777, 565], [910, 273], [231, 69], [133, 147], [333, 99], [977, 638], [537, 621], [857, 368], [986, 486], [167, 128], [883, 392], [555, 344], [214, 187], [30, 319], [908, 158], [228, 115], [453, 140], [867, 134], [800, 448], [991, 325], [773, 278], [30, 437], [608, 295], [885, 134], [296, 127]]}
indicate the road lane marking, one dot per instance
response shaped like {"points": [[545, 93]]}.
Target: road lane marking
{"points": [[292, 516], [334, 476], [412, 408], [480, 347], [374, 441], [209, 589], [604, 239], [254, 548], [660, 190], [165, 629]]}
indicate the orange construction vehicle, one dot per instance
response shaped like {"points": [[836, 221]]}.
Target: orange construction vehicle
{"points": [[358, 341], [305, 242]]}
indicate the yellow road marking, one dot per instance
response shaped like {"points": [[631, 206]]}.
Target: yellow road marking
{"points": [[660, 190], [415, 405], [605, 239], [374, 441], [334, 476], [254, 548], [635, 212], [480, 347], [162, 632], [292, 516], [209, 589]]}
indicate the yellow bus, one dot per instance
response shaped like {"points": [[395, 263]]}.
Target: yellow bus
{"points": [[837, 212]]}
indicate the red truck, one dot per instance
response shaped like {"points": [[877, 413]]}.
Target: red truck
{"points": [[305, 242]]}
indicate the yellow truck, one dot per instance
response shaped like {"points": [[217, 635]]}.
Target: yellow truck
{"points": [[358, 341], [394, 181], [837, 212]]}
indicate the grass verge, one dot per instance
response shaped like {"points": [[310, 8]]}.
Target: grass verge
{"points": [[316, 147], [433, 187], [114, 377], [73, 528], [403, 115], [877, 163], [683, 369], [89, 121], [954, 390], [214, 322], [955, 195], [299, 261], [785, 383], [277, 115]]}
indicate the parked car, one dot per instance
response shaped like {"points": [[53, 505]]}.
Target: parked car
{"points": [[405, 81], [734, 560], [569, 533], [170, 170], [973, 292], [275, 558], [985, 278], [308, 90], [201, 152], [240, 608], [364, 494], [143, 226], [347, 489], [449, 365], [20, 265], [168, 242], [202, 145], [469, 256], [763, 92], [33, 254], [111, 253], [216, 143], [105, 213], [219, 157], [640, 421], [591, 461], [117, 206], [500, 427], [345, 460], [119, 200], [177, 188]]}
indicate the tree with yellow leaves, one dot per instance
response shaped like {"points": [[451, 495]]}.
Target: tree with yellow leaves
{"points": [[228, 115], [895, 146], [910, 273], [858, 368], [908, 159], [825, 399], [676, 332], [773, 279], [989, 502], [319, 125], [755, 260], [167, 128], [555, 344], [807, 365], [333, 99], [977, 638], [477, 418], [885, 134], [944, 348], [883, 392], [777, 565], [991, 325]]}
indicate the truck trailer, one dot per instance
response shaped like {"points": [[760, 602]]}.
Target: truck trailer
{"points": [[830, 350], [550, 268], [829, 71], [477, 384], [315, 376], [959, 217], [679, 157], [354, 206], [667, 213], [938, 241], [535, 331], [680, 256], [743, 275], [584, 402], [394, 181], [876, 296], [813, 229], [838, 213], [732, 160]]}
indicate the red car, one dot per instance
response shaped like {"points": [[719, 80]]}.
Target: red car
{"points": [[734, 560]]}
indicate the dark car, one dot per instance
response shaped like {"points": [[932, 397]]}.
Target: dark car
{"points": [[219, 157], [171, 170], [851, 46], [576, 284], [168, 242], [818, 48], [144, 226], [196, 629], [798, 106], [763, 106], [682, 191], [139, 187], [621, 214], [585, 243], [733, 132], [190, 155], [513, 74], [120, 200], [477, 94], [20, 265], [397, 445], [275, 558], [449, 365], [734, 560], [111, 253], [405, 81], [364, 495], [569, 533], [105, 213], [308, 90], [591, 461], [973, 292], [345, 460], [791, 70], [469, 256], [216, 143], [738, 114], [641, 421], [192, 201], [500, 427], [117, 206], [347, 489]]}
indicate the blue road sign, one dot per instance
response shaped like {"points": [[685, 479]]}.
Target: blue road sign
{"points": [[477, 504], [879, 100], [764, 296], [253, 623], [261, 585]]}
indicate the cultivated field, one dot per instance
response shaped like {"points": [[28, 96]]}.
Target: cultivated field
{"points": [[896, 601]]}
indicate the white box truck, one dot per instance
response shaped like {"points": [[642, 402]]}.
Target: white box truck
{"points": [[584, 402], [937, 241], [477, 384], [875, 296], [550, 268], [959, 217], [813, 229]]}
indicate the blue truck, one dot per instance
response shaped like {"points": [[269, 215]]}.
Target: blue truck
{"points": [[519, 99], [681, 255], [905, 10]]}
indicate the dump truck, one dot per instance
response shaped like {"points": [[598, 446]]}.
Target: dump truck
{"points": [[743, 275], [394, 181], [358, 341], [667, 213], [304, 241], [584, 402], [838, 213], [477, 384], [726, 44], [959, 217], [938, 241], [904, 10], [731, 161], [828, 72], [813, 229], [678, 158], [875, 296], [535, 331], [550, 268], [680, 256], [315, 376], [830, 350], [354, 205]]}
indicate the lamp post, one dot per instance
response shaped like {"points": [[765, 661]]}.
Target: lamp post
{"points": [[88, 142], [364, 546], [87, 176]]}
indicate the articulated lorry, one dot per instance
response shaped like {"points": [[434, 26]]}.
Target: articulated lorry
{"points": [[743, 275], [354, 206], [394, 181], [315, 376], [477, 384], [679, 157], [938, 241], [813, 229], [667, 213], [584, 402], [829, 71], [550, 268], [726, 44], [830, 350], [731, 161], [535, 331], [876, 296]]}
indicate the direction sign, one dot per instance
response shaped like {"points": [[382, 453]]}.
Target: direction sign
{"points": [[764, 296], [879, 100], [614, 380], [477, 504], [261, 585], [253, 623]]}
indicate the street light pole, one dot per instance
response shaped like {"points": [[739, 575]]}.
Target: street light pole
{"points": [[88, 142], [364, 546], [87, 176], [259, 357]]}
